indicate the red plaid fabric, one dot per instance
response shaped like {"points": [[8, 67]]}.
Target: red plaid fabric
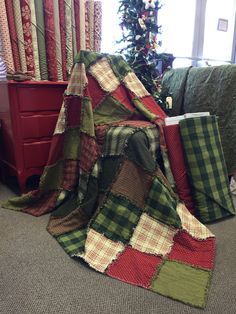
{"points": [[89, 152], [100, 251], [71, 173], [56, 149], [122, 95], [192, 251], [178, 166], [134, 267], [73, 107], [153, 107], [95, 92], [101, 131], [44, 206]]}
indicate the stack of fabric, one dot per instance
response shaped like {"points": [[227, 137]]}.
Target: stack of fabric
{"points": [[42, 37], [111, 204]]}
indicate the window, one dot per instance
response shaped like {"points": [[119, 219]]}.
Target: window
{"points": [[196, 32]]}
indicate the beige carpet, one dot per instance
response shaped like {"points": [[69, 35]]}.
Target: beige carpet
{"points": [[36, 275]]}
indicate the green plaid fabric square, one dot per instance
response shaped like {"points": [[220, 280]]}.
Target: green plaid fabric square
{"points": [[206, 168], [83, 184], [73, 242], [117, 218], [153, 139], [161, 204], [116, 139], [119, 66], [87, 57]]}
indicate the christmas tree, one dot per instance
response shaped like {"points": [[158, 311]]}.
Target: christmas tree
{"points": [[139, 35]]}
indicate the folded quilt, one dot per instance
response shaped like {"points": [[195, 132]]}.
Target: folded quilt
{"points": [[206, 168], [111, 204]]}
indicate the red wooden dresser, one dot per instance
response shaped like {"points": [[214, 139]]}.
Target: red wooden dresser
{"points": [[28, 115]]}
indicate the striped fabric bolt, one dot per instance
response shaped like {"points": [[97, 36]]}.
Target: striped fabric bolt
{"points": [[35, 40], [41, 39], [5, 38], [13, 34], [69, 40], [57, 39]]}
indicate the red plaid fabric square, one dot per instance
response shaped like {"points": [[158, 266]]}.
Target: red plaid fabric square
{"points": [[194, 252], [122, 96], [44, 206], [152, 106], [134, 267], [101, 131], [94, 91], [73, 107], [71, 173], [89, 152], [56, 149]]}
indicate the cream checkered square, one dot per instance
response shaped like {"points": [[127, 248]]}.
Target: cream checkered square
{"points": [[103, 73], [78, 80], [133, 83], [151, 236], [61, 121], [194, 227], [100, 251]]}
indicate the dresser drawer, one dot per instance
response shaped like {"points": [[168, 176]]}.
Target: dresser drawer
{"points": [[40, 98], [36, 154], [38, 126]]}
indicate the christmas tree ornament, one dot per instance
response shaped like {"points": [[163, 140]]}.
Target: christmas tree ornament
{"points": [[141, 22], [149, 4]]}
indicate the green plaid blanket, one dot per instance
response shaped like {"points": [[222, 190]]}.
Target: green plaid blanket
{"points": [[206, 167]]}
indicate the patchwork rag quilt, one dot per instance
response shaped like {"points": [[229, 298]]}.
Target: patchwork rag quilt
{"points": [[110, 202]]}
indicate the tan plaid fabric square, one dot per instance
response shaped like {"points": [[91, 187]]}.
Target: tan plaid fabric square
{"points": [[78, 80], [194, 227], [61, 121], [103, 73], [151, 236], [100, 251], [133, 83]]}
